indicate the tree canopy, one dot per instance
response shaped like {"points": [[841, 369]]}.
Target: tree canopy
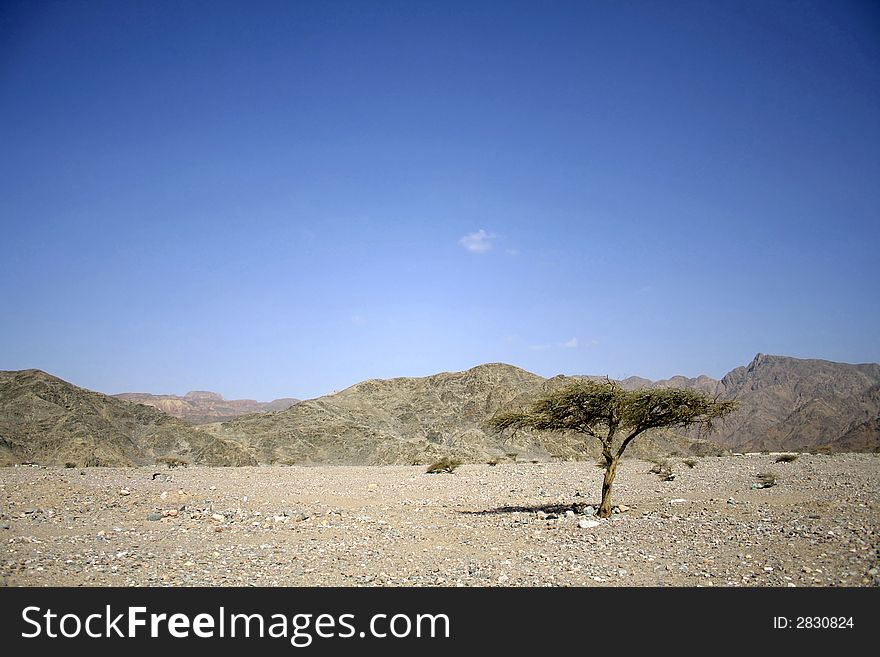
{"points": [[614, 416]]}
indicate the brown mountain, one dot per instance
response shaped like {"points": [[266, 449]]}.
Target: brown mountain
{"points": [[50, 421], [203, 407], [414, 420], [785, 404], [792, 403]]}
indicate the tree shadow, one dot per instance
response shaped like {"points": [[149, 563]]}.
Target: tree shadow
{"points": [[557, 509]]}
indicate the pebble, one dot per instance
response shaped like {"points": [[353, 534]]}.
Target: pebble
{"points": [[473, 529], [154, 516], [583, 523]]}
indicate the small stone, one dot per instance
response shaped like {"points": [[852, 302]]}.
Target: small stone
{"points": [[29, 511], [170, 513], [164, 495], [678, 500], [583, 523], [872, 572], [217, 517], [589, 511], [124, 492], [154, 516], [5, 525], [730, 500], [569, 514], [623, 508]]}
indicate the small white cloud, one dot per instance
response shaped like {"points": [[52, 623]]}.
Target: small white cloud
{"points": [[478, 242], [569, 344]]}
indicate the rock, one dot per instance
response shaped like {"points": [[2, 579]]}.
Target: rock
{"points": [[583, 523], [5, 525], [678, 500], [569, 514], [29, 511], [730, 500], [170, 513], [164, 495], [589, 511], [124, 492], [216, 517], [623, 508], [154, 516]]}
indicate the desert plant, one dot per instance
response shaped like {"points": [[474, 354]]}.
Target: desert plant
{"points": [[786, 458], [691, 463], [69, 464], [604, 411], [172, 462], [493, 461], [512, 456], [445, 464]]}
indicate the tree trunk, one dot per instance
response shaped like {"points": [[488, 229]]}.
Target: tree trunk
{"points": [[610, 471]]}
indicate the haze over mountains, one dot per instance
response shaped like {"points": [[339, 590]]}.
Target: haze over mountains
{"points": [[201, 407], [785, 404]]}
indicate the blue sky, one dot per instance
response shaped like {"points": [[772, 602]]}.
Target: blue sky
{"points": [[284, 198]]}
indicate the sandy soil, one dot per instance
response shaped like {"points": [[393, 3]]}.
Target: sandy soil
{"points": [[482, 526]]}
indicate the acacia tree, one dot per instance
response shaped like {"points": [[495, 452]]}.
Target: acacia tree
{"points": [[615, 417]]}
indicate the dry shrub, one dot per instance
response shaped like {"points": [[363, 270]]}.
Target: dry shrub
{"points": [[444, 465]]}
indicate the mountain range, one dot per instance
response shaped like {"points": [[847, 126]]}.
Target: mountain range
{"points": [[50, 421], [785, 404], [201, 407]]}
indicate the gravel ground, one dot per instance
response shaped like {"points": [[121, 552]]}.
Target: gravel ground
{"points": [[481, 526]]}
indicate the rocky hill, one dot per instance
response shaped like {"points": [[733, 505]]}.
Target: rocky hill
{"points": [[785, 404], [415, 420], [50, 421], [792, 403], [202, 407]]}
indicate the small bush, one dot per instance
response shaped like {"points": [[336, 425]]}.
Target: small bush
{"points": [[766, 479], [493, 461], [172, 462], [786, 458], [69, 465], [512, 456], [691, 463], [446, 464]]}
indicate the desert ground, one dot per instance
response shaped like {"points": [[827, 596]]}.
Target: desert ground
{"points": [[505, 525]]}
